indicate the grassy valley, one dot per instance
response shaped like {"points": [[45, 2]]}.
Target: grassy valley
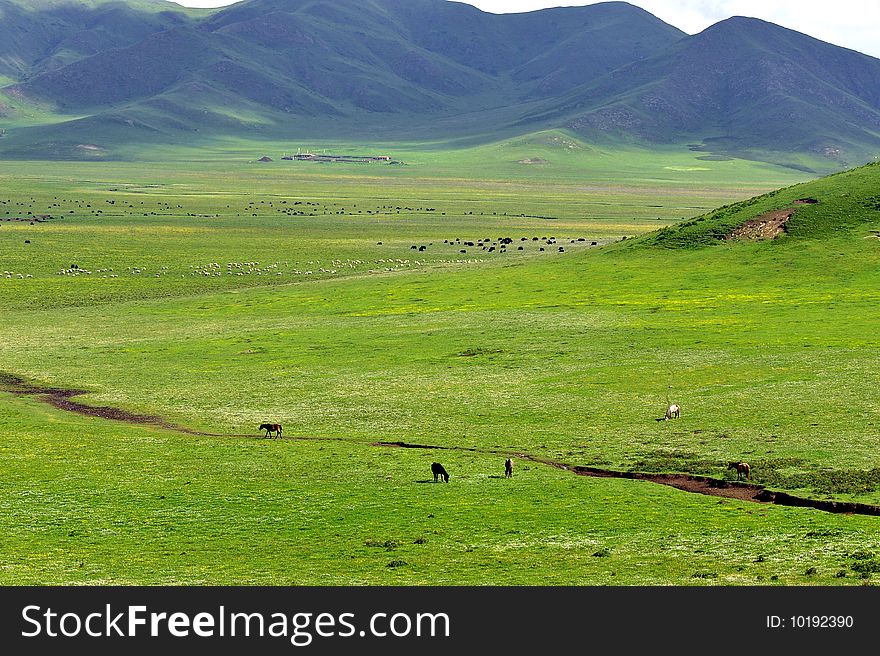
{"points": [[537, 232], [336, 299]]}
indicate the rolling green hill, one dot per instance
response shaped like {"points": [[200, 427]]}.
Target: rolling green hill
{"points": [[819, 209]]}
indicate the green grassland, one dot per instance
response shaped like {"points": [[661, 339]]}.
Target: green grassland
{"points": [[87, 502], [203, 293]]}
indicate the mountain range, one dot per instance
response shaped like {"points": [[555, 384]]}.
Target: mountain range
{"points": [[107, 72]]}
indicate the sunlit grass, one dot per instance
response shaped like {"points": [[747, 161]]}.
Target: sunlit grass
{"points": [[768, 347]]}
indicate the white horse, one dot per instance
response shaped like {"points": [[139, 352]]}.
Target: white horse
{"points": [[673, 412]]}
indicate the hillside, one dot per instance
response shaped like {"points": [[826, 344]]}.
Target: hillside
{"points": [[381, 56], [108, 73], [741, 86], [38, 36], [819, 209]]}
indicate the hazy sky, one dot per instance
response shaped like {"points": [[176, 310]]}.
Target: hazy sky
{"points": [[850, 23]]}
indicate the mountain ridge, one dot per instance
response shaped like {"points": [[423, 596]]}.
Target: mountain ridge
{"points": [[281, 68]]}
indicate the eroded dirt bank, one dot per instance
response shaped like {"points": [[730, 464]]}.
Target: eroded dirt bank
{"points": [[62, 399]]}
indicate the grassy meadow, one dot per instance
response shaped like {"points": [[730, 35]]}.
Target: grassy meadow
{"points": [[219, 294]]}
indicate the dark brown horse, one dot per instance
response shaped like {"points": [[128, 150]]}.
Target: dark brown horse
{"points": [[741, 468], [508, 468], [271, 428], [438, 470]]}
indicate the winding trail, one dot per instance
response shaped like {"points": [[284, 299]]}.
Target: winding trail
{"points": [[62, 399]]}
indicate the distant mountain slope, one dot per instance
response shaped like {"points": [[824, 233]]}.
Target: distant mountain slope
{"points": [[544, 52], [111, 72], [741, 85], [378, 55], [42, 35]]}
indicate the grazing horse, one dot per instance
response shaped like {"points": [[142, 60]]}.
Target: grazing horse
{"points": [[673, 412], [741, 468], [271, 428], [508, 468], [437, 470]]}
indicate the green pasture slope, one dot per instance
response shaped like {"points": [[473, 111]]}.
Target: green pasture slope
{"points": [[219, 295]]}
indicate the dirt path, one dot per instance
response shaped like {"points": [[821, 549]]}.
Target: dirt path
{"points": [[686, 482], [62, 399]]}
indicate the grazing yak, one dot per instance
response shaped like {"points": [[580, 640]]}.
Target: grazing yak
{"points": [[271, 428], [673, 412], [438, 470], [741, 468], [508, 468]]}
